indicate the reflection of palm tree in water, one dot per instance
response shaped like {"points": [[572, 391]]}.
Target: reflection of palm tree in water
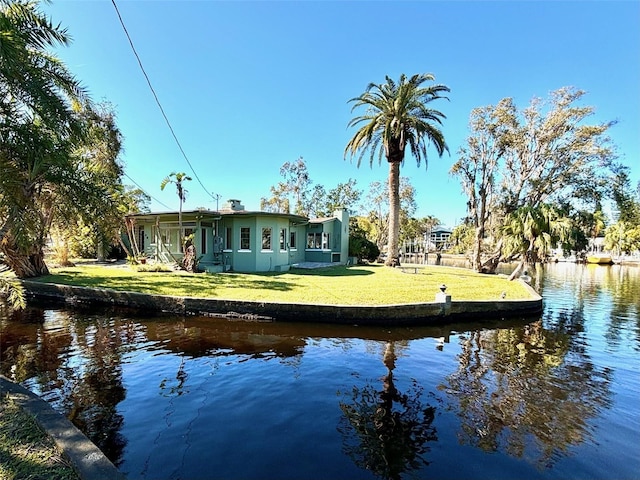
{"points": [[173, 392], [181, 376], [386, 431]]}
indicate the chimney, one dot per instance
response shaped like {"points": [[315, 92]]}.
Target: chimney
{"points": [[234, 205]]}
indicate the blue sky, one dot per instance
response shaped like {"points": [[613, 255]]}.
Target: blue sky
{"points": [[248, 86]]}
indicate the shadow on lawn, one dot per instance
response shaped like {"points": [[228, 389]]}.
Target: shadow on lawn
{"points": [[338, 271], [199, 285], [167, 283]]}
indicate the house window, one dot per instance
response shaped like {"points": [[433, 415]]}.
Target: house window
{"points": [[292, 240], [228, 245], [266, 238], [283, 239], [318, 240], [203, 240], [169, 238], [325, 241], [245, 238], [314, 240]]}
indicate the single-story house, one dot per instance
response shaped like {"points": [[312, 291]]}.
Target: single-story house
{"points": [[234, 238]]}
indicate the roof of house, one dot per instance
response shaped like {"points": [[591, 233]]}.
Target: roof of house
{"points": [[441, 229], [219, 213], [322, 219]]}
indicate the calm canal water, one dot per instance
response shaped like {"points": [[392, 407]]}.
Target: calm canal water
{"points": [[556, 396]]}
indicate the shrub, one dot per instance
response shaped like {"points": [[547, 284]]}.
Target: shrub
{"points": [[363, 248]]}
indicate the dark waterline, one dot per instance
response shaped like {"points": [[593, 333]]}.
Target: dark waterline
{"points": [[550, 397]]}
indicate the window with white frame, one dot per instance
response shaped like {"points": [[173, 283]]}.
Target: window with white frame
{"points": [[325, 241], [283, 239], [314, 240], [266, 238], [318, 241], [292, 241], [245, 238]]}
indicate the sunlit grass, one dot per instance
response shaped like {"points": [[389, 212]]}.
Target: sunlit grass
{"points": [[25, 450], [358, 285]]}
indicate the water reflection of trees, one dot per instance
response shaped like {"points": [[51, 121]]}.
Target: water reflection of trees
{"points": [[609, 291], [99, 389], [624, 285], [75, 365], [75, 361], [528, 391], [386, 431]]}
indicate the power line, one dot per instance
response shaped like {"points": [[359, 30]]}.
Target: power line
{"points": [[143, 191], [166, 119]]}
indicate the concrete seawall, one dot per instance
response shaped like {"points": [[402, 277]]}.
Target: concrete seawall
{"points": [[402, 314], [87, 460]]}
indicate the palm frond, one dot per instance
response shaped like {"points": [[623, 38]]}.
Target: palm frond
{"points": [[397, 116]]}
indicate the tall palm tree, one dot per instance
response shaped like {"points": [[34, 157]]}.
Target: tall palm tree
{"points": [[39, 129], [397, 116], [178, 178]]}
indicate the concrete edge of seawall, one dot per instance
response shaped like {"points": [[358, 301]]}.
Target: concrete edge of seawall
{"points": [[402, 314], [87, 459]]}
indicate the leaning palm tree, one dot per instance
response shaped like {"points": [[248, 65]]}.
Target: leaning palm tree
{"points": [[397, 115], [39, 129], [531, 232], [178, 178]]}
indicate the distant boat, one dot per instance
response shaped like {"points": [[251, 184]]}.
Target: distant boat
{"points": [[600, 258]]}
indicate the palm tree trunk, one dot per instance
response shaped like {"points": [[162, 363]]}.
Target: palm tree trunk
{"points": [[180, 232], [23, 265], [394, 215], [525, 260], [516, 273]]}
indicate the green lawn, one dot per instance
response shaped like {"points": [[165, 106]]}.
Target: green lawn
{"points": [[358, 285], [25, 450]]}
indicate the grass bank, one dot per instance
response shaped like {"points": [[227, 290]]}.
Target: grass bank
{"points": [[26, 452], [340, 285]]}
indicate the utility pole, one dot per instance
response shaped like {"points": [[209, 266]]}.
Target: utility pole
{"points": [[217, 197]]}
